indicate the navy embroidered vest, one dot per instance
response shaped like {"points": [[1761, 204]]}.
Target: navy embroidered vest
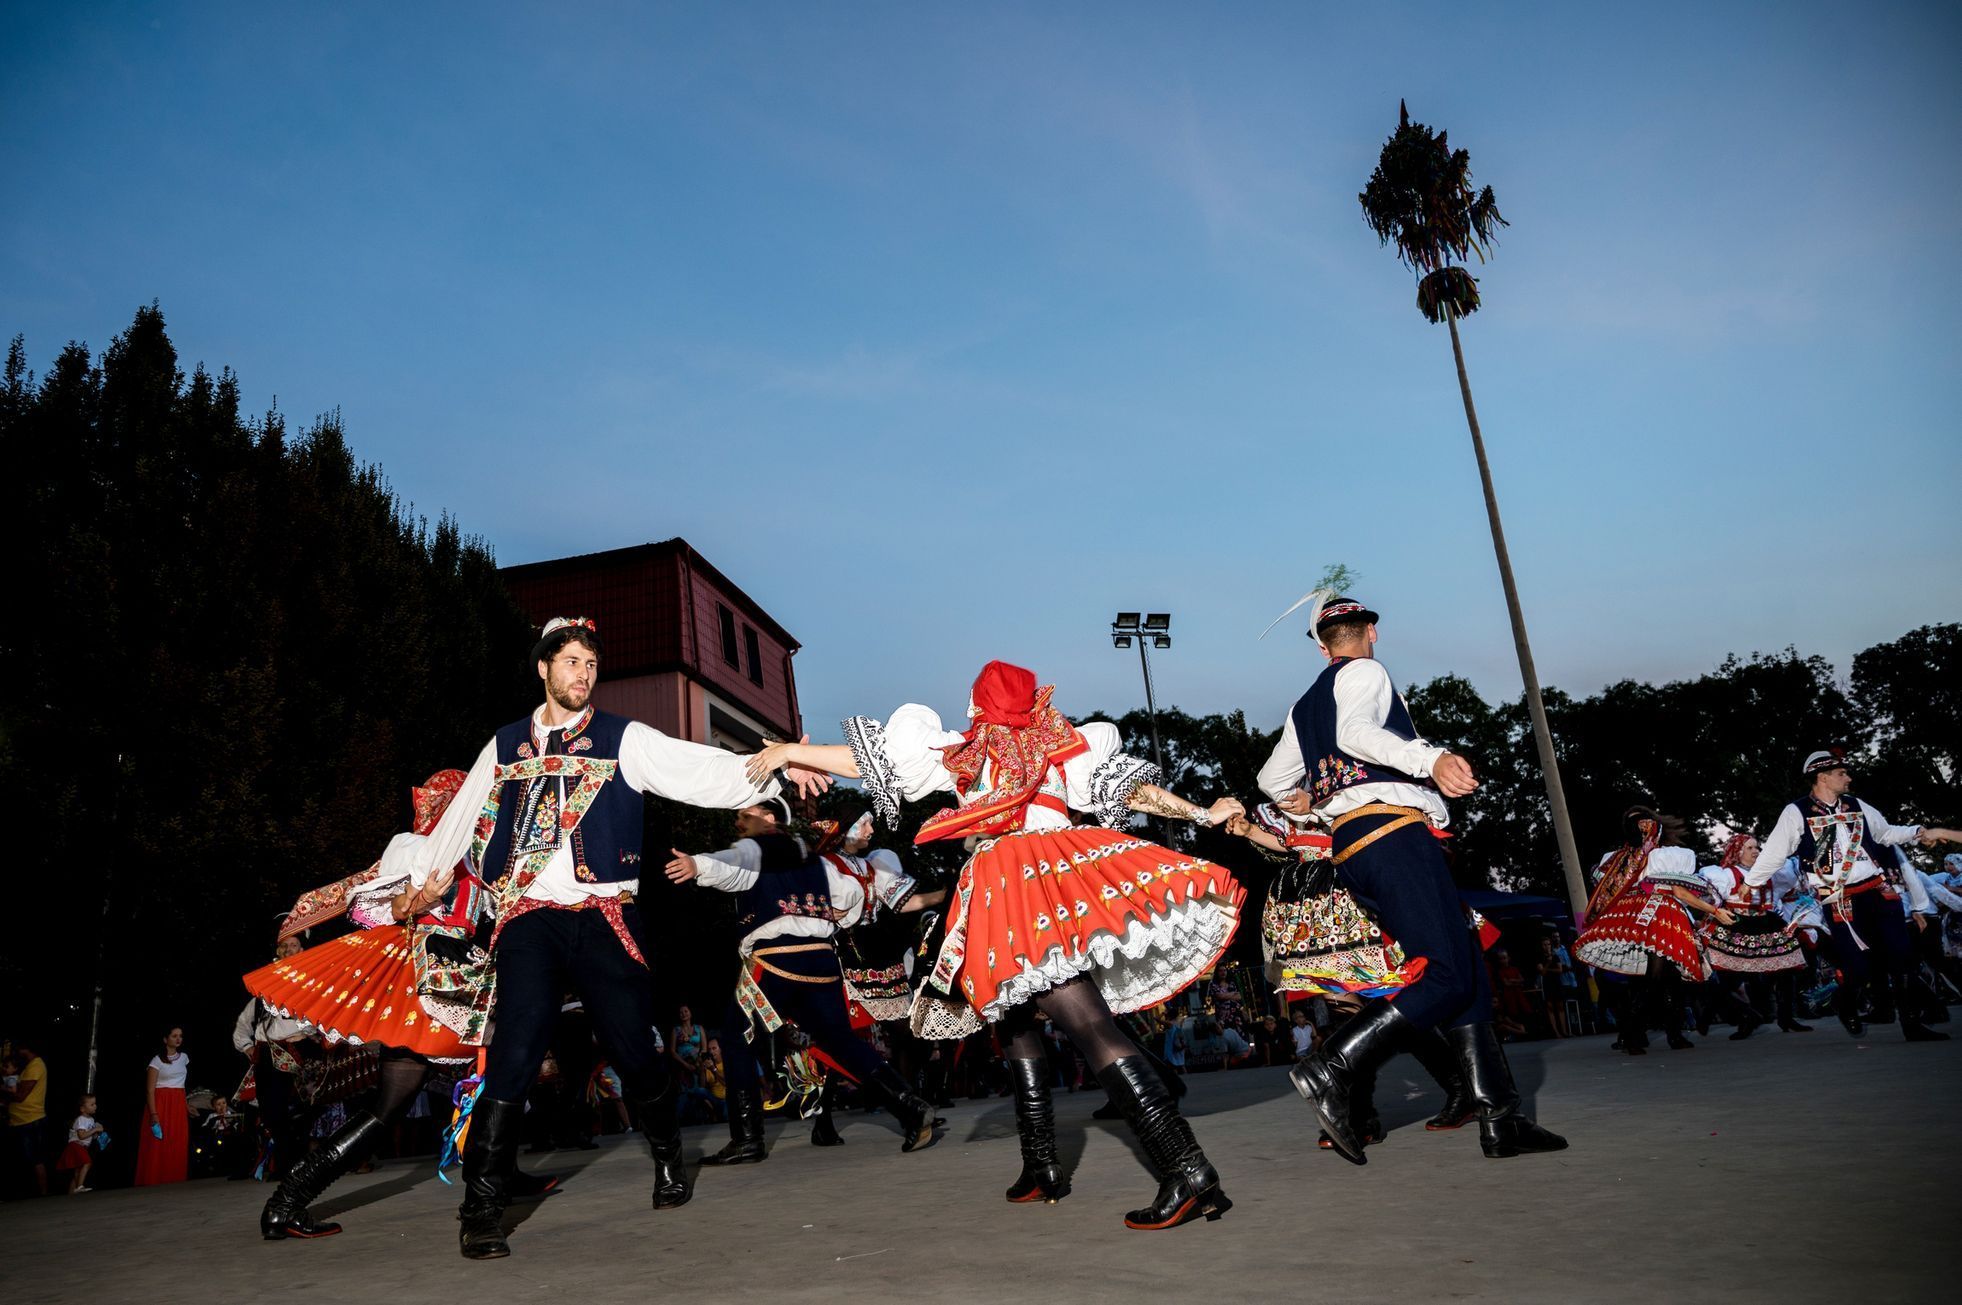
{"points": [[606, 842], [791, 883], [1330, 769], [1811, 856]]}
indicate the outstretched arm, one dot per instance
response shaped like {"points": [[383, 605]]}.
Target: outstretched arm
{"points": [[827, 758], [1156, 801]]}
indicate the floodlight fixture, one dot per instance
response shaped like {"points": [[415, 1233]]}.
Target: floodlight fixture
{"points": [[1158, 622], [1126, 621]]}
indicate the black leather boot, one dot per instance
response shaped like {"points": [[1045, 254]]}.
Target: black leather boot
{"points": [[1042, 1177], [490, 1157], [532, 1187], [1364, 1121], [285, 1214], [662, 1129], [1188, 1185], [1503, 1128], [745, 1130], [824, 1127], [1908, 999], [915, 1117], [1329, 1076], [1173, 1080], [1434, 1053], [1846, 1005]]}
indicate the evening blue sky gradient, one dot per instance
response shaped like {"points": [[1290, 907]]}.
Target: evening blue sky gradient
{"points": [[947, 331]]}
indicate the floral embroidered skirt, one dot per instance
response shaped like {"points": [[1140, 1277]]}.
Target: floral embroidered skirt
{"points": [[873, 958], [358, 988], [1317, 940], [1638, 925], [1038, 908], [1756, 944]]}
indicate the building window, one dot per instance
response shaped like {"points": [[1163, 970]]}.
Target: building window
{"points": [[755, 655], [728, 635]]}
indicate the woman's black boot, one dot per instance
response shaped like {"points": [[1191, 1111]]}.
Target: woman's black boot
{"points": [[1042, 1177], [1433, 1052], [914, 1115], [285, 1214], [1188, 1185], [490, 1157]]}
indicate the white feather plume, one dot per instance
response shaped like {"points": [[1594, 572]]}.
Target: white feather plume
{"points": [[1319, 597]]}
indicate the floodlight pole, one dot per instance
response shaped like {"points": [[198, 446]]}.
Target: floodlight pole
{"points": [[1151, 709]]}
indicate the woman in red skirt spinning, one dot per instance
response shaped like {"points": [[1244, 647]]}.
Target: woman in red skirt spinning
{"points": [[1072, 922], [1641, 922]]}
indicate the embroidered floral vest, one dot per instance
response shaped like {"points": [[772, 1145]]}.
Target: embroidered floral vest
{"points": [[1330, 769], [603, 821], [791, 883]]}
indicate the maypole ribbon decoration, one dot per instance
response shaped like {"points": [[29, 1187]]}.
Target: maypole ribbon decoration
{"points": [[456, 1137]]}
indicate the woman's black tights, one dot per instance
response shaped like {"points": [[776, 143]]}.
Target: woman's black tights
{"points": [[1079, 1010], [402, 1075]]}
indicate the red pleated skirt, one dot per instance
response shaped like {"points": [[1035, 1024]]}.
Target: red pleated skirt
{"points": [[358, 988], [165, 1159], [1638, 925], [1038, 908]]}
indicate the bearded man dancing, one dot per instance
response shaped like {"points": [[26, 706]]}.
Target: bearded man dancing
{"points": [[1349, 754], [550, 817]]}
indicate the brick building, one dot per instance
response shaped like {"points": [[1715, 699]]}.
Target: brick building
{"points": [[686, 650]]}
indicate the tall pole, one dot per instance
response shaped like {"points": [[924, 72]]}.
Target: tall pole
{"points": [[1151, 711], [1556, 793]]}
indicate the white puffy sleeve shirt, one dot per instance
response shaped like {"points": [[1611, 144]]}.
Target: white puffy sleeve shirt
{"points": [[902, 758], [650, 762], [740, 866]]}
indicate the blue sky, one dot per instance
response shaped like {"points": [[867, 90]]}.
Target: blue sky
{"points": [[949, 331]]}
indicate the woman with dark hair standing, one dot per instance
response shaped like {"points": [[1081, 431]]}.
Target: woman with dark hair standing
{"points": [[163, 1146]]}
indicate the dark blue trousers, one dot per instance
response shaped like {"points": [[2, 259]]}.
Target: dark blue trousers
{"points": [[1403, 881], [818, 1009], [1883, 927], [545, 954]]}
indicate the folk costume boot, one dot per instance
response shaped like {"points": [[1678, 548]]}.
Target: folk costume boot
{"points": [[1330, 1077], [662, 1128], [1784, 994], [913, 1114], [285, 1214], [1503, 1128], [490, 1157], [1173, 1079], [1433, 1051], [1188, 1185], [1363, 1117], [745, 1129], [824, 1126], [1905, 988], [1042, 1177]]}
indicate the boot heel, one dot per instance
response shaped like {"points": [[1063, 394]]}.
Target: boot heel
{"points": [[1218, 1206]]}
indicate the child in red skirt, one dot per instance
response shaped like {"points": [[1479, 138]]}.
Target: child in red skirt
{"points": [[84, 1135]]}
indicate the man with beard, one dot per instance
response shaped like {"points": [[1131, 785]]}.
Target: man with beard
{"points": [[1845, 851], [550, 816]]}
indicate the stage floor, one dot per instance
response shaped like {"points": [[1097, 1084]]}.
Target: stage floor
{"points": [[1787, 1168]]}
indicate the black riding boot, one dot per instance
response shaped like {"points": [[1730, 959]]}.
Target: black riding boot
{"points": [[1330, 1077], [1503, 1128], [490, 1157], [1364, 1120], [1173, 1080], [1433, 1052], [1742, 1012], [1784, 994], [1846, 1005], [1908, 997], [824, 1128], [662, 1128], [915, 1117], [745, 1129], [285, 1214], [1188, 1185], [1042, 1177]]}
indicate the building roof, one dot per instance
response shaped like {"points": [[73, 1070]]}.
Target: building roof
{"points": [[678, 548]]}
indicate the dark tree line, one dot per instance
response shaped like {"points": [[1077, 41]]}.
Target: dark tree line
{"points": [[229, 652]]}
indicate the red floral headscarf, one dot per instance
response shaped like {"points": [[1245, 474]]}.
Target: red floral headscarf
{"points": [[1017, 730], [432, 799], [1734, 850]]}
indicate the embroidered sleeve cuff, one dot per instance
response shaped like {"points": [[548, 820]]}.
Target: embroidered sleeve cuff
{"points": [[1113, 782], [867, 740]]}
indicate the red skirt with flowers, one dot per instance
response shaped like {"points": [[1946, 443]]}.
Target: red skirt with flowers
{"points": [[1038, 908], [358, 988], [1638, 925]]}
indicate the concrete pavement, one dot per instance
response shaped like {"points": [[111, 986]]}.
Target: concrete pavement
{"points": [[1789, 1168]]}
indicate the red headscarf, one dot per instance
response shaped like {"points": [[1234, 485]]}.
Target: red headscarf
{"points": [[1733, 850], [1017, 730], [433, 798], [1624, 868]]}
